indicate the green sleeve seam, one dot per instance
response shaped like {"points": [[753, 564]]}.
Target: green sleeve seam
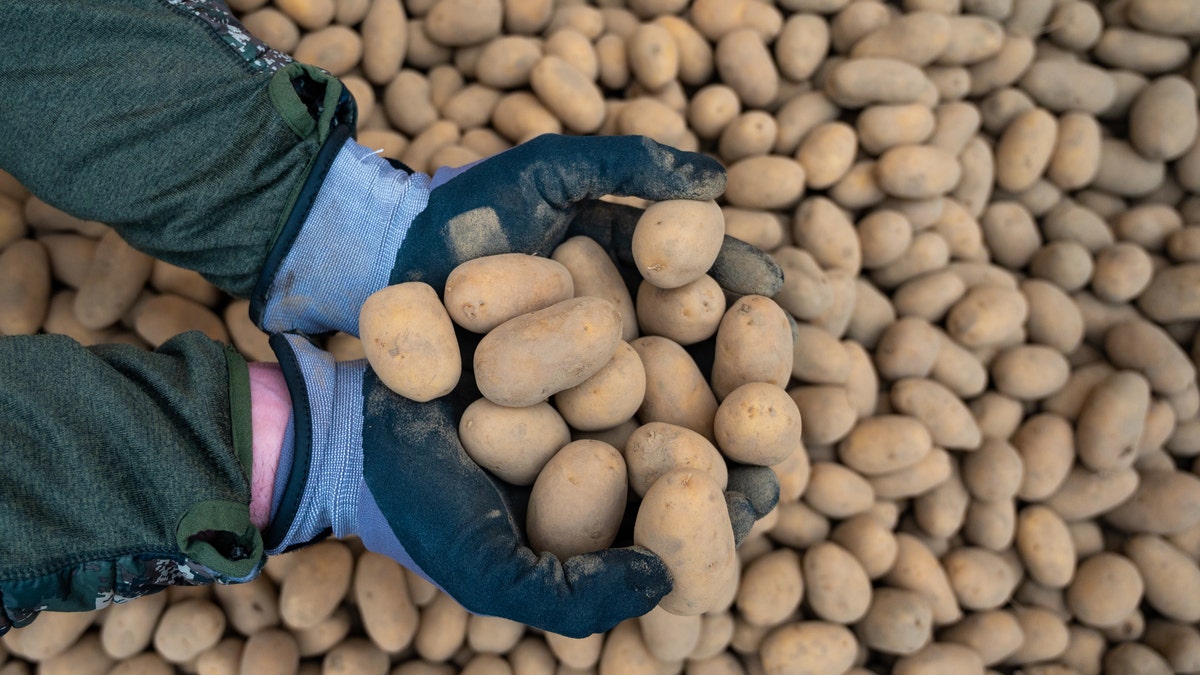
{"points": [[241, 425]]}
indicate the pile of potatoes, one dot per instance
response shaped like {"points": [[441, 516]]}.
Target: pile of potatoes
{"points": [[988, 215]]}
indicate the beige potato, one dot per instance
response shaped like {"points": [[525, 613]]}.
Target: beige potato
{"points": [[686, 314], [1029, 372], [918, 38], [695, 53], [899, 621], [712, 108], [695, 540], [388, 613], [188, 628], [802, 44], [827, 153], [594, 274], [506, 61], [917, 569], [837, 585], [1076, 157], [520, 116], [575, 652], [675, 242], [578, 500], [1046, 443], [669, 637], [1025, 149], [771, 588], [1106, 589], [881, 127], [986, 315], [758, 423], [818, 357], [112, 283], [750, 134], [443, 629], [1164, 502], [337, 49], [836, 491], [858, 82], [159, 318], [310, 15], [946, 418], [753, 344], [129, 626], [250, 606], [457, 23], [409, 341], [534, 356], [915, 480], [743, 61], [1062, 85], [24, 287], [385, 40], [676, 391], [885, 443], [609, 397], [1171, 577], [884, 235], [485, 292], [981, 579], [653, 56], [1167, 297], [765, 182], [568, 93], [316, 584], [657, 448], [823, 229], [917, 171], [513, 443], [822, 646]]}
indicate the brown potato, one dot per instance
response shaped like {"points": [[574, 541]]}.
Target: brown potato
{"points": [[578, 500], [758, 423], [483, 293], [676, 391], [513, 443], [409, 341], [695, 541], [657, 448], [594, 274], [753, 344], [676, 241]]}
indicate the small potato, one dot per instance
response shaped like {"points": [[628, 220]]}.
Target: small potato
{"points": [[1045, 546], [818, 357], [898, 622], [1145, 53], [337, 49], [1111, 422], [986, 315], [112, 283], [917, 171], [129, 626], [1046, 444], [869, 540], [944, 415], [801, 46], [858, 82], [881, 127], [687, 314], [1125, 173], [1172, 578], [534, 356], [1062, 85], [1107, 588], [513, 443], [569, 94], [823, 647], [838, 588], [771, 588], [675, 242], [823, 229], [1086, 494], [753, 344], [1142, 346], [758, 423], [683, 518], [506, 62], [744, 62], [939, 656], [657, 448], [918, 38], [765, 182], [917, 569], [1168, 297], [750, 134], [1164, 502], [914, 480], [409, 341], [981, 579], [609, 397], [520, 116], [188, 628], [1076, 157], [676, 391], [385, 39], [594, 274], [388, 614], [1029, 372], [695, 53], [827, 153], [458, 23], [578, 500], [24, 287], [712, 108], [669, 637], [884, 235], [837, 492], [1025, 149], [885, 443], [653, 56], [485, 292]]}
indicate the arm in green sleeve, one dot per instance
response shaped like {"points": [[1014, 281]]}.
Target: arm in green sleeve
{"points": [[167, 121], [124, 472]]}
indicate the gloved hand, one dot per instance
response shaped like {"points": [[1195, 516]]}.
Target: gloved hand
{"points": [[392, 471], [371, 224]]}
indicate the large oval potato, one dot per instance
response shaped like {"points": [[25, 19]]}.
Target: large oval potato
{"points": [[577, 500], [683, 519], [609, 397], [485, 292], [534, 356], [513, 443], [754, 344], [409, 341], [657, 448]]}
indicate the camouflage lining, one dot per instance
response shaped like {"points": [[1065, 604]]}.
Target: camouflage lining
{"points": [[254, 51]]}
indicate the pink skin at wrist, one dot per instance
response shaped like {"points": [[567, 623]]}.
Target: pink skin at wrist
{"points": [[270, 408]]}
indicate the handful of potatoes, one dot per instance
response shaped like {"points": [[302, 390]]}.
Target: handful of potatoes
{"points": [[570, 407]]}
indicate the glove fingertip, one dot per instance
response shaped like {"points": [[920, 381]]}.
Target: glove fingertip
{"points": [[741, 515], [743, 269], [758, 484]]}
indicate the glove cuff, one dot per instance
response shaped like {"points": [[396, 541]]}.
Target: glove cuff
{"points": [[321, 494], [345, 245]]}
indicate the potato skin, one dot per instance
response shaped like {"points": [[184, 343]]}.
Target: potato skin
{"points": [[409, 341], [683, 519], [533, 356], [758, 423], [676, 241], [485, 292], [754, 344], [513, 443], [657, 448], [607, 398], [577, 500]]}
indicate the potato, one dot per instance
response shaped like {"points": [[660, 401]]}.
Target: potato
{"points": [[687, 314], [765, 182], [457, 23], [744, 62], [676, 391], [1140, 345], [947, 420], [575, 652], [907, 348], [676, 241], [310, 15], [568, 93], [881, 127], [749, 134], [443, 629], [112, 283], [594, 274], [802, 44], [695, 539], [653, 56], [129, 626], [24, 287], [1046, 635], [1171, 577], [980, 578], [520, 116], [771, 588], [1106, 589], [836, 491], [506, 61], [917, 171], [822, 646], [912, 481], [986, 315], [1163, 502], [827, 153], [657, 448], [337, 49], [917, 569], [898, 622], [1062, 85], [578, 500], [609, 397], [712, 108], [838, 588], [753, 344], [758, 423], [669, 637], [479, 293], [527, 359], [885, 443], [858, 82], [825, 231], [188, 628], [409, 341]]}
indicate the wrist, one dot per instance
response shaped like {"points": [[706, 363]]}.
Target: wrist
{"points": [[270, 412], [340, 244]]}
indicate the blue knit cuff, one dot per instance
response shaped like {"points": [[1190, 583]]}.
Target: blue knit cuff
{"points": [[347, 246], [330, 497]]}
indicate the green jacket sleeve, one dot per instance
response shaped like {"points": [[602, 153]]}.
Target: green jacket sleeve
{"points": [[166, 120], [124, 472]]}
